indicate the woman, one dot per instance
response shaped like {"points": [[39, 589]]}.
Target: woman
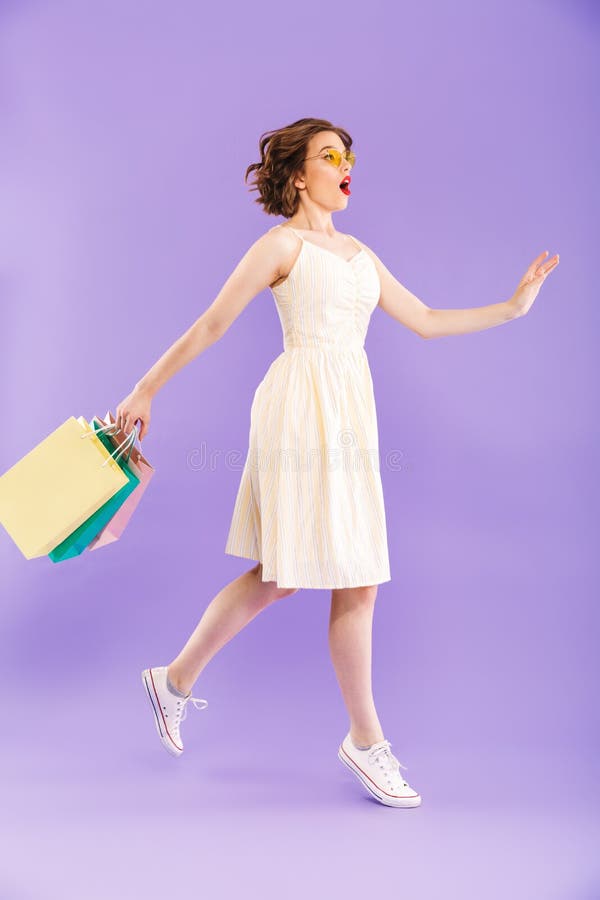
{"points": [[309, 506]]}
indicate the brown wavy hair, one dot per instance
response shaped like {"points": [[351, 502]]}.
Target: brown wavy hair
{"points": [[282, 153]]}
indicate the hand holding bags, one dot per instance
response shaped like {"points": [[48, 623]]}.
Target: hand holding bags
{"points": [[55, 487], [144, 471]]}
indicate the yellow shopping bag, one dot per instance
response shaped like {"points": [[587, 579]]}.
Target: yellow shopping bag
{"points": [[55, 487]]}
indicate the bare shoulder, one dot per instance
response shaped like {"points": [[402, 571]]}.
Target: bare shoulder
{"points": [[280, 237], [260, 267], [269, 253], [282, 246]]}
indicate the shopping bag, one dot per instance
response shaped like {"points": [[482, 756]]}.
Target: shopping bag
{"points": [[113, 530], [76, 542], [57, 486]]}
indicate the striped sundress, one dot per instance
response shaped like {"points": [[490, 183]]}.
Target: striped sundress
{"points": [[310, 504]]}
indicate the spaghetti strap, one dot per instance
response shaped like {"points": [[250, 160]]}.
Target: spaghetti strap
{"points": [[356, 242], [289, 228]]}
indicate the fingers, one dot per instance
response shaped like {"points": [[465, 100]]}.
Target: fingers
{"points": [[537, 262], [139, 426], [125, 422], [548, 266]]}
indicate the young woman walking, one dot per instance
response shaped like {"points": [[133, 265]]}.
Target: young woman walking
{"points": [[309, 507]]}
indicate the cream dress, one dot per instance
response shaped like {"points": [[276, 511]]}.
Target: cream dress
{"points": [[310, 503]]}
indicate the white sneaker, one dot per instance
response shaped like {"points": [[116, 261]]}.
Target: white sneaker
{"points": [[167, 708], [379, 771]]}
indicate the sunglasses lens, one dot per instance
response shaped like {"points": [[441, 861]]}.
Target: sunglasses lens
{"points": [[335, 157]]}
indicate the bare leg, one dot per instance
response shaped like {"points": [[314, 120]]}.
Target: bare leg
{"points": [[350, 633], [227, 613]]}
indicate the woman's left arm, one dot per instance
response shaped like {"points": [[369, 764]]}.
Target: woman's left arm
{"points": [[409, 310]]}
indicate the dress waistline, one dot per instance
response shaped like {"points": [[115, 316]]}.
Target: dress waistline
{"points": [[351, 347]]}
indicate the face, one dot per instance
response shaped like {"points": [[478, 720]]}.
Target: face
{"points": [[321, 180]]}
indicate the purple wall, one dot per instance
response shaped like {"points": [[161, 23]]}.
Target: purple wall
{"points": [[125, 133]]}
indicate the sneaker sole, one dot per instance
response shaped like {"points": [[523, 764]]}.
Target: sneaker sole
{"points": [[403, 802], [164, 738]]}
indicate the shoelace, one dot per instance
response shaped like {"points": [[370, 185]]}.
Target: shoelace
{"points": [[182, 707], [384, 755]]}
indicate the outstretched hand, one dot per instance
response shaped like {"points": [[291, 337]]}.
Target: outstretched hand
{"points": [[531, 282]]}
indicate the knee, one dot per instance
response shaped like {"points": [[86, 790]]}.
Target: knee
{"points": [[366, 595], [356, 597], [284, 592]]}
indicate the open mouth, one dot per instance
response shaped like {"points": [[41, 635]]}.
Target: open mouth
{"points": [[345, 186]]}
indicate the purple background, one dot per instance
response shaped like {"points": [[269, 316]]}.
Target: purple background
{"points": [[126, 129]]}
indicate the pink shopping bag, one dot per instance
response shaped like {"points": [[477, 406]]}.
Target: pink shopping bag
{"points": [[113, 530]]}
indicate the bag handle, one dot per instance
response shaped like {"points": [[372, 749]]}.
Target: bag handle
{"points": [[114, 426], [126, 444]]}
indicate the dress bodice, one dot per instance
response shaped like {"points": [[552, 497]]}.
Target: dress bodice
{"points": [[325, 300]]}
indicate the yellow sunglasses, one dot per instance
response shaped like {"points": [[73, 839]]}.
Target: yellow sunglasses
{"points": [[334, 156]]}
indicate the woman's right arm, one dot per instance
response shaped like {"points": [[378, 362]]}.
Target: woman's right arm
{"points": [[258, 268]]}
